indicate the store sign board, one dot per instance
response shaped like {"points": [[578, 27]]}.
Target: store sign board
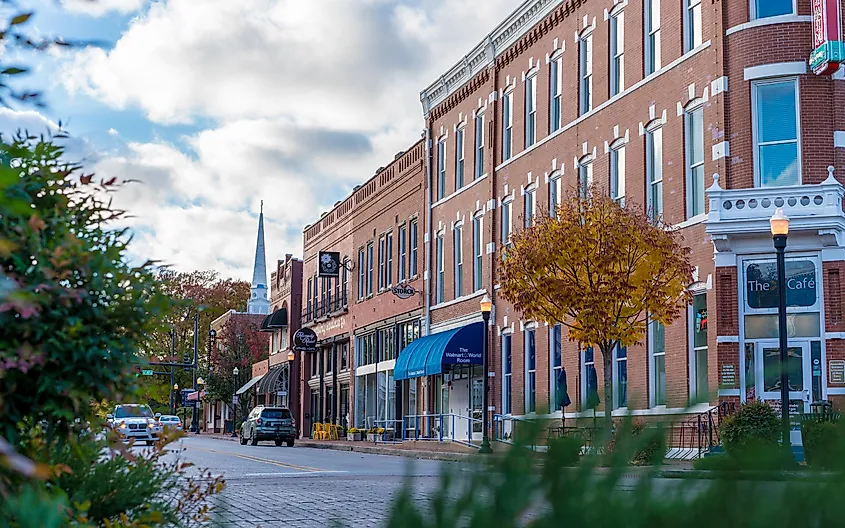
{"points": [[761, 284], [828, 49], [837, 371]]}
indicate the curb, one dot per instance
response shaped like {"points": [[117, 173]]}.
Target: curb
{"points": [[373, 450], [762, 476]]}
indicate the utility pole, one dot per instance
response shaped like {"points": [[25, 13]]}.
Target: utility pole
{"points": [[194, 417], [172, 373]]}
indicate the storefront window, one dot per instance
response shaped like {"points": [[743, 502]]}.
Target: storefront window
{"points": [[507, 366], [657, 348], [699, 342], [557, 365], [590, 385], [765, 326], [621, 381], [531, 371]]}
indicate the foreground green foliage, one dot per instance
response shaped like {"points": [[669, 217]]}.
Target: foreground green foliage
{"points": [[824, 443]]}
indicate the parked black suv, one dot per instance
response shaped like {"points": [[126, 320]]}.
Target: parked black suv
{"points": [[269, 423]]}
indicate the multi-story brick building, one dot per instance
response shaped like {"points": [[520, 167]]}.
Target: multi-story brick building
{"points": [[705, 113]]}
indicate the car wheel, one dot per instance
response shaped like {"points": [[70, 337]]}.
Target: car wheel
{"points": [[243, 440], [290, 442], [279, 443], [253, 441]]}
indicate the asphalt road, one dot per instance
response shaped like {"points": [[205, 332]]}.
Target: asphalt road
{"points": [[269, 486]]}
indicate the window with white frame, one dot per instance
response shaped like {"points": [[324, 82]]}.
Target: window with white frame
{"points": [[657, 357], [441, 168], [652, 61], [441, 272], [530, 110], [507, 126], [530, 206], [370, 268], [403, 253], [617, 172], [458, 258], [617, 51], [654, 170], [361, 270], [389, 272], [555, 192], [776, 132], [556, 371], [459, 158], [308, 305], [770, 8], [555, 94], [506, 222], [589, 377], [530, 370], [381, 263], [692, 24], [694, 121], [585, 175], [414, 245], [507, 372], [700, 390], [479, 145], [620, 377], [586, 71], [477, 251]]}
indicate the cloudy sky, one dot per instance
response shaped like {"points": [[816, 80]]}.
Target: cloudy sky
{"points": [[215, 105]]}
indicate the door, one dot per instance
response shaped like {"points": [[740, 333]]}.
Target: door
{"points": [[799, 377], [459, 408]]}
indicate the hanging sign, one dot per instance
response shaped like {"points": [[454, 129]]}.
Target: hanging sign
{"points": [[305, 340], [329, 264], [404, 291], [828, 48]]}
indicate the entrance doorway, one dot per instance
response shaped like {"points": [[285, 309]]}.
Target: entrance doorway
{"points": [[767, 368]]}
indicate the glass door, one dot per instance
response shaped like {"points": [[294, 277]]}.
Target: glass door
{"points": [[798, 375]]}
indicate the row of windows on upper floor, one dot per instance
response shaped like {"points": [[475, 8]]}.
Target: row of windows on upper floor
{"points": [[652, 62]]}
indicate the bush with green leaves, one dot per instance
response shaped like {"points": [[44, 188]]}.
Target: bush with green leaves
{"points": [[824, 443], [755, 426]]}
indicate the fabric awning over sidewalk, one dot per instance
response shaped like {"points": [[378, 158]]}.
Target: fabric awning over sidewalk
{"points": [[427, 355], [249, 384], [270, 383]]}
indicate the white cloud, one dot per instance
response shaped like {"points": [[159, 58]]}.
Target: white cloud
{"points": [[113, 132], [100, 7]]}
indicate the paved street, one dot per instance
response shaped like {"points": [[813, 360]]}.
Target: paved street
{"points": [[272, 486]]}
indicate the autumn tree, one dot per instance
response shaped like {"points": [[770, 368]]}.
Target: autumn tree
{"points": [[602, 271]]}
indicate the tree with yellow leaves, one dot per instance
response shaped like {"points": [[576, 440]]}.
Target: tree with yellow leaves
{"points": [[601, 270]]}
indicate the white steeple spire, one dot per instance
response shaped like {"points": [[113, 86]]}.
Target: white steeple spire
{"points": [[259, 300]]}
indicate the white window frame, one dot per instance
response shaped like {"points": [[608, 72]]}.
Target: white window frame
{"points": [[507, 125], [693, 350], [693, 35], [752, 10], [652, 367], [555, 192], [460, 144], [413, 235], [689, 165], [507, 226], [370, 267], [617, 50], [652, 50], [555, 94], [617, 172], [478, 251], [362, 285], [530, 110], [507, 388], [585, 175], [529, 209], [758, 182], [585, 71], [654, 172], [382, 244], [458, 257], [528, 371], [389, 260], [401, 275], [616, 378], [585, 378], [440, 290], [441, 168], [479, 145]]}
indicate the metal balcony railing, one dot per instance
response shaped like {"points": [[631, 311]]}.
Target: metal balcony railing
{"points": [[325, 305]]}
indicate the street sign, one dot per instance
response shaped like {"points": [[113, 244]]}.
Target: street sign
{"points": [[147, 372], [235, 399]]}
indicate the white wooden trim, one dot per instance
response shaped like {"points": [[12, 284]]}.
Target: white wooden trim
{"points": [[777, 69]]}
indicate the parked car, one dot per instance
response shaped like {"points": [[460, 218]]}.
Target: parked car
{"points": [[269, 423], [169, 421], [134, 421]]}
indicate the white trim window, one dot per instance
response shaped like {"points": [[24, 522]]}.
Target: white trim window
{"points": [[555, 94], [530, 370], [389, 272], [555, 192], [507, 374], [530, 110], [479, 145], [381, 263], [441, 169], [370, 267], [506, 222], [617, 172], [617, 50], [692, 25], [770, 8], [694, 124], [441, 272], [361, 271], [652, 61], [657, 363], [403, 254], [585, 176], [556, 367], [654, 171], [507, 126], [589, 379], [530, 206], [620, 377], [586, 71], [459, 158], [458, 258], [699, 390], [412, 265], [477, 251], [777, 155]]}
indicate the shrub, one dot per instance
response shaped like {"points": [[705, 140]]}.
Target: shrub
{"points": [[824, 444], [646, 445], [756, 426]]}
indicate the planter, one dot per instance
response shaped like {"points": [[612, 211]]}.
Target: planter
{"points": [[371, 437], [353, 437]]}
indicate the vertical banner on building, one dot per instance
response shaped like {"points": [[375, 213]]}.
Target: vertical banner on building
{"points": [[828, 48]]}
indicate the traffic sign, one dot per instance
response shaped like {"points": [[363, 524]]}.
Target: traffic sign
{"points": [[147, 372]]}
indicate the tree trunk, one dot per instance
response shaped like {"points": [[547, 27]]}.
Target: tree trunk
{"points": [[607, 360]]}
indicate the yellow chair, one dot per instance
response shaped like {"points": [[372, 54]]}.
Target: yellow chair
{"points": [[333, 431], [320, 432]]}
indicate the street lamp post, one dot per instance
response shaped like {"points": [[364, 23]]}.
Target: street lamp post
{"points": [[234, 404], [486, 308], [780, 229], [175, 395]]}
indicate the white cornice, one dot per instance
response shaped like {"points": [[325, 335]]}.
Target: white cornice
{"points": [[500, 39]]}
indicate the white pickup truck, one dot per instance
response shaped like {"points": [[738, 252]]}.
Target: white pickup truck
{"points": [[135, 421]]}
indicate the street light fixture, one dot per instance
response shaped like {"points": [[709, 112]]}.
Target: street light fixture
{"points": [[234, 405], [486, 305], [780, 229]]}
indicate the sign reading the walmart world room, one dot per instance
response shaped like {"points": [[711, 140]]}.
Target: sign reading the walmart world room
{"points": [[828, 48], [462, 356], [761, 284]]}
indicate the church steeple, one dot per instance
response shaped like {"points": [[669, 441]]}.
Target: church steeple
{"points": [[259, 299]]}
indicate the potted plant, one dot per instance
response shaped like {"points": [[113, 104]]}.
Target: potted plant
{"points": [[354, 434]]}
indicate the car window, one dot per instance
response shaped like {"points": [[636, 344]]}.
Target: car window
{"points": [[276, 414], [133, 411]]}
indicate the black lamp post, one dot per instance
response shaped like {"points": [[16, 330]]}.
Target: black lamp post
{"points": [[486, 308], [780, 229], [235, 404]]}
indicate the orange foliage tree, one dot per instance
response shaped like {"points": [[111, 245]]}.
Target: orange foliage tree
{"points": [[601, 270]]}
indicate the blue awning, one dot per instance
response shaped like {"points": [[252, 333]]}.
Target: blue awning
{"points": [[427, 355]]}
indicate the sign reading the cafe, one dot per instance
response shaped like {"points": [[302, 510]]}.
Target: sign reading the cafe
{"points": [[305, 340], [828, 48], [329, 264], [761, 284], [404, 291]]}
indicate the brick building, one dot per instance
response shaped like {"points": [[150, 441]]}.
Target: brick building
{"points": [[707, 114]]}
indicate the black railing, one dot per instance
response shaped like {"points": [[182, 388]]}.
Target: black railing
{"points": [[697, 435], [326, 305]]}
